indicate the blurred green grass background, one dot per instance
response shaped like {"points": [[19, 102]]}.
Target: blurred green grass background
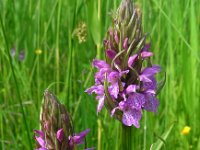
{"points": [[65, 64]]}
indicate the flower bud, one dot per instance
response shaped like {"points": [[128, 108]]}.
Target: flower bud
{"points": [[56, 126]]}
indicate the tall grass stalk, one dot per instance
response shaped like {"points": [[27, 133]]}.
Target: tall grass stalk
{"points": [[16, 84]]}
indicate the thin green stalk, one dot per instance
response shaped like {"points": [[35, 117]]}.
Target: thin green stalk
{"points": [[16, 84], [99, 134], [37, 58], [145, 131], [70, 54], [99, 21], [38, 23], [57, 46], [2, 133], [38, 80], [98, 51]]}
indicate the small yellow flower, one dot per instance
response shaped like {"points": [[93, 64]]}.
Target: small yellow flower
{"points": [[38, 51], [186, 130]]}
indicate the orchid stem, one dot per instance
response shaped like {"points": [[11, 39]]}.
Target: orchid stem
{"points": [[126, 138]]}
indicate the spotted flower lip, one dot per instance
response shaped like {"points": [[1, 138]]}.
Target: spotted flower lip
{"points": [[125, 82]]}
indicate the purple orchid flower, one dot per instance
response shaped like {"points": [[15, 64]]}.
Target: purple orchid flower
{"points": [[126, 81]]}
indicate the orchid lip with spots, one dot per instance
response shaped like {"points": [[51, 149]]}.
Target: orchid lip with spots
{"points": [[125, 82]]}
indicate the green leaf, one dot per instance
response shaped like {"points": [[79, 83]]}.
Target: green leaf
{"points": [[161, 141]]}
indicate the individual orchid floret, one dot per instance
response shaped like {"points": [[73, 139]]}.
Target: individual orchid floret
{"points": [[56, 127], [125, 82]]}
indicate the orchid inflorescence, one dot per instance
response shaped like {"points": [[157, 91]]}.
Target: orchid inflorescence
{"points": [[125, 82], [56, 127]]}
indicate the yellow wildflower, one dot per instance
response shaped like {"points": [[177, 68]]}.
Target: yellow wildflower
{"points": [[186, 130], [38, 51]]}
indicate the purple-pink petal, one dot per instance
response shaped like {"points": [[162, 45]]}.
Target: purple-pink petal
{"points": [[114, 90], [100, 64], [125, 44], [150, 91], [123, 72], [41, 148], [150, 85], [116, 37], [98, 89], [40, 133], [113, 76], [151, 103], [111, 54], [136, 100], [131, 88], [60, 135], [100, 105], [131, 60], [144, 78], [40, 141], [146, 54], [132, 117], [78, 139], [150, 71], [100, 75]]}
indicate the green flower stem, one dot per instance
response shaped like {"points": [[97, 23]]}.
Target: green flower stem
{"points": [[126, 138]]}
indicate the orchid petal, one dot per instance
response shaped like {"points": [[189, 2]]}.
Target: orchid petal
{"points": [[146, 54], [150, 71], [40, 141], [78, 139], [131, 88], [151, 103], [60, 135], [100, 102], [111, 54], [100, 64], [132, 117], [131, 60]]}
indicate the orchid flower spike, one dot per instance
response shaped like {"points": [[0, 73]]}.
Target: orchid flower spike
{"points": [[125, 82], [56, 127]]}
